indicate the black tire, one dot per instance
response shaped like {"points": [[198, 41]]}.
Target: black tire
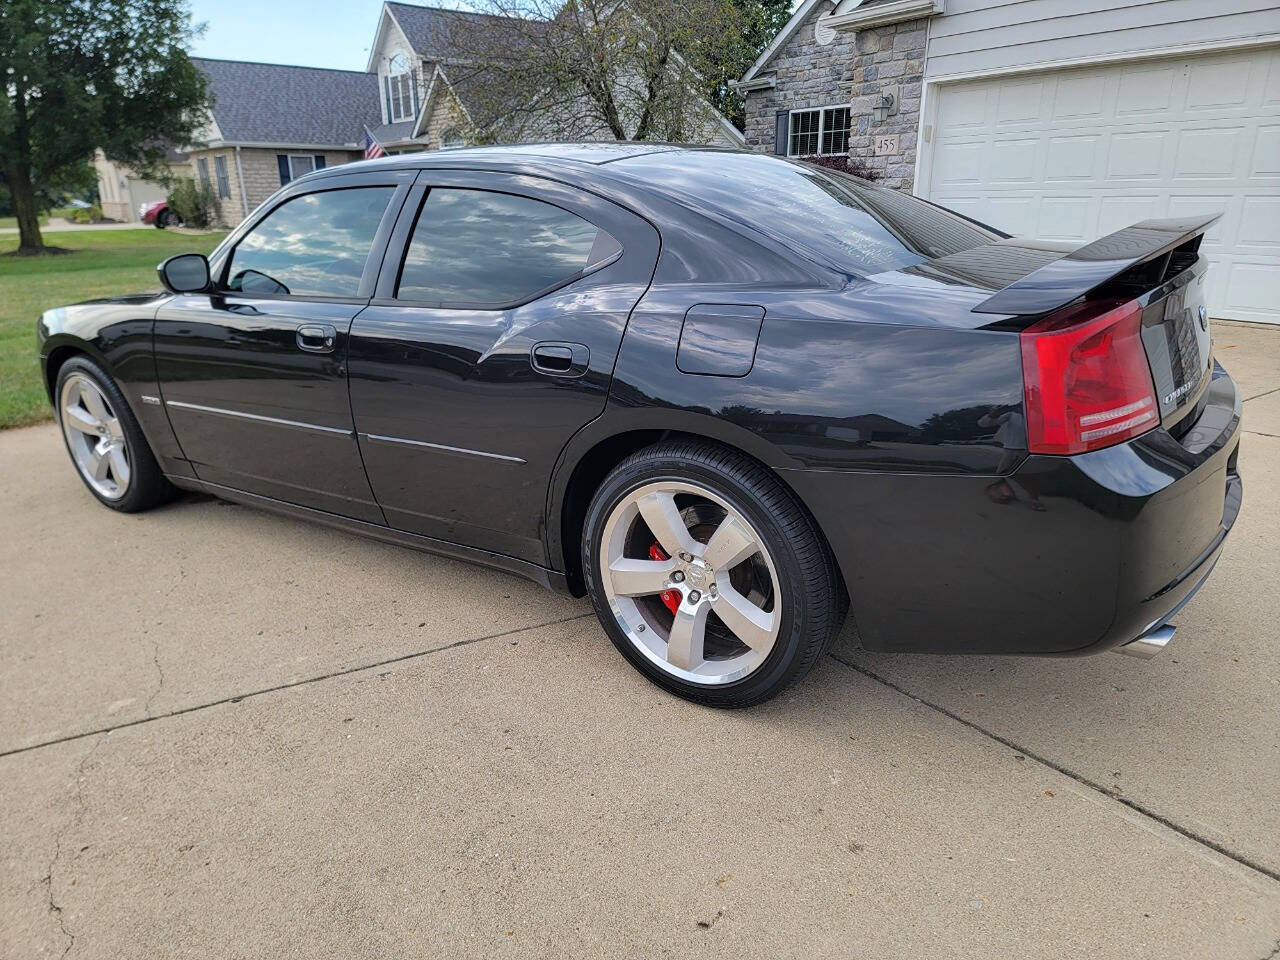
{"points": [[813, 599], [166, 218], [147, 485]]}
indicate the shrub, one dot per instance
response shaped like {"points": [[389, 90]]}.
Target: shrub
{"points": [[845, 164], [91, 214], [193, 203]]}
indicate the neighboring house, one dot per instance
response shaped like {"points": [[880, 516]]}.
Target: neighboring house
{"points": [[433, 95], [1049, 118], [122, 192], [271, 123]]}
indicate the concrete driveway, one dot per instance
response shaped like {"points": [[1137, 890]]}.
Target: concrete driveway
{"points": [[226, 734]]}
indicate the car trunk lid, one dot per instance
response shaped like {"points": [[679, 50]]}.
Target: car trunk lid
{"points": [[1155, 263]]}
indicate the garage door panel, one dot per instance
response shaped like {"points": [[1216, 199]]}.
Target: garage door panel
{"points": [[1019, 102], [1251, 288], [1068, 218], [1073, 158], [1260, 222], [1266, 153], [1145, 90], [1208, 153], [1079, 98], [1012, 162], [1136, 156], [1075, 154], [1218, 83]]}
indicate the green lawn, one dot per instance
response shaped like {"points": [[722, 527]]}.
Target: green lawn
{"points": [[101, 264], [12, 222]]}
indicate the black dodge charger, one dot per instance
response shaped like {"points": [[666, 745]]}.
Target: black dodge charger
{"points": [[731, 398]]}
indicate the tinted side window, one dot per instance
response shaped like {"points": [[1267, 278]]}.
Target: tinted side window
{"points": [[477, 247], [314, 245]]}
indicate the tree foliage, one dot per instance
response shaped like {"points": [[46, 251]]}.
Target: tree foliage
{"points": [[586, 69], [87, 74], [756, 23]]}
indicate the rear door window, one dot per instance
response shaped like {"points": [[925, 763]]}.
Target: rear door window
{"points": [[478, 248], [314, 245]]}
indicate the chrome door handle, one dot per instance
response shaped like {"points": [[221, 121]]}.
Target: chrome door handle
{"points": [[317, 337]]}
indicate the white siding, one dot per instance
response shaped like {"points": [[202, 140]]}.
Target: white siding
{"points": [[978, 36]]}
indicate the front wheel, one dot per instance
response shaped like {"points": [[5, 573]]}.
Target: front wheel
{"points": [[707, 574], [105, 441]]}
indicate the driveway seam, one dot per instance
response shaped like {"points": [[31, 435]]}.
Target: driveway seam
{"points": [[237, 697], [1264, 393], [1077, 777]]}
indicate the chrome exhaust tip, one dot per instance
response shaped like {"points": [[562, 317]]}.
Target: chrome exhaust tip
{"points": [[1150, 643]]}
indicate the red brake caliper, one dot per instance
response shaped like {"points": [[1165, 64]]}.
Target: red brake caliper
{"points": [[670, 598]]}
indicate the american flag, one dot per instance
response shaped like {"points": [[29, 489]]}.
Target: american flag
{"points": [[372, 148]]}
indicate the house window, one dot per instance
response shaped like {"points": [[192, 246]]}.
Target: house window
{"points": [[224, 183], [400, 89], [821, 132], [203, 166], [451, 139]]}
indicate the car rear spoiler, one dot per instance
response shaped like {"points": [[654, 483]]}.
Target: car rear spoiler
{"points": [[1058, 283]]}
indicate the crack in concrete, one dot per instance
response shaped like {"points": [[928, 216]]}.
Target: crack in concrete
{"points": [[155, 658], [1259, 433], [1079, 778], [237, 697], [53, 907]]}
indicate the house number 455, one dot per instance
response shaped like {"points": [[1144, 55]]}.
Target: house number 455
{"points": [[885, 146]]}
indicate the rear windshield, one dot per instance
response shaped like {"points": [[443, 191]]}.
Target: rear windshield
{"points": [[842, 221]]}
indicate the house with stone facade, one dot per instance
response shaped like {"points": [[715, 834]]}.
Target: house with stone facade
{"points": [[1054, 119], [271, 123]]}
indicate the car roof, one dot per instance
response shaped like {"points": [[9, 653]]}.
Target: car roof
{"points": [[596, 153]]}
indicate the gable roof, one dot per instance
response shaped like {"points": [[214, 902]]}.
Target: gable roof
{"points": [[269, 103], [786, 33], [431, 30]]}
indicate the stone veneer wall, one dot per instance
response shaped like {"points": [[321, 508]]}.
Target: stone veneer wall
{"points": [[852, 69], [261, 175]]}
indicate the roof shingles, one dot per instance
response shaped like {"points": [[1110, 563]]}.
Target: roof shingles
{"points": [[271, 103]]}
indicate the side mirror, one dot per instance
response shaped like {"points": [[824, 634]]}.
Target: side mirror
{"points": [[185, 273]]}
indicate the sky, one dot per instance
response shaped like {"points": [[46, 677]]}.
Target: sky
{"points": [[309, 33]]}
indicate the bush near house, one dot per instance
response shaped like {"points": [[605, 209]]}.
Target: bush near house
{"points": [[194, 203]]}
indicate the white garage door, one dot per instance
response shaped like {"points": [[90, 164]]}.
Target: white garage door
{"points": [[1075, 154]]}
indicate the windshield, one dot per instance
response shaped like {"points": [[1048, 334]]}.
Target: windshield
{"points": [[840, 220]]}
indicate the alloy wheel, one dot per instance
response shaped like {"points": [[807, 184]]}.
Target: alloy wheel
{"points": [[95, 437], [690, 582]]}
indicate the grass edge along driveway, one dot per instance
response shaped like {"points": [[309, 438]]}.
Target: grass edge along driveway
{"points": [[100, 264]]}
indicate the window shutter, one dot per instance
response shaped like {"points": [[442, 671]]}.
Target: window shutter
{"points": [[319, 159], [780, 132], [386, 82], [282, 161], [413, 95]]}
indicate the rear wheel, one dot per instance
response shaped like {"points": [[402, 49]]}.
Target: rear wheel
{"points": [[707, 574], [105, 441]]}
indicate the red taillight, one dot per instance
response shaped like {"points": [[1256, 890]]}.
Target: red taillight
{"points": [[1086, 378]]}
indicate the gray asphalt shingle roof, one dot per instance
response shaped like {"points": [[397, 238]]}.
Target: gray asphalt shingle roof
{"points": [[432, 31], [277, 104]]}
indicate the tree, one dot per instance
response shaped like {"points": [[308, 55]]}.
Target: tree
{"points": [[84, 74], [757, 22], [585, 69]]}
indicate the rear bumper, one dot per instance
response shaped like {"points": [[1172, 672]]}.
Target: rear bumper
{"points": [[1066, 556]]}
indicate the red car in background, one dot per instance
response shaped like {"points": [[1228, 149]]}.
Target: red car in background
{"points": [[158, 213]]}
